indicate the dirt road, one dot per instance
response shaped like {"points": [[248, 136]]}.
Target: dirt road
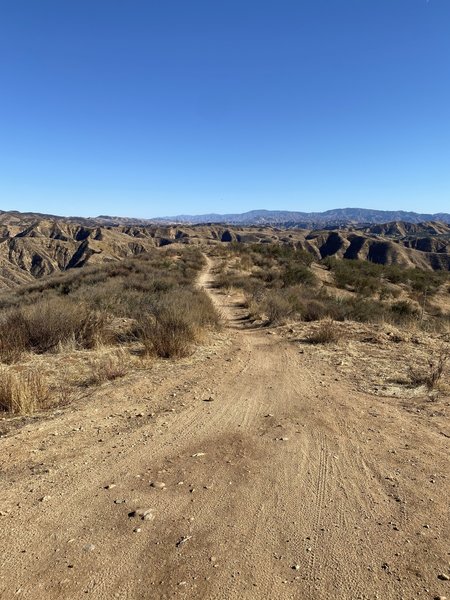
{"points": [[288, 484]]}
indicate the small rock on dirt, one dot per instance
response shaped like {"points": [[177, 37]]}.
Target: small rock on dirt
{"points": [[183, 540], [158, 485], [146, 514]]}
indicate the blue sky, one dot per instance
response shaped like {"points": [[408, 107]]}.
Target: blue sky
{"points": [[145, 108]]}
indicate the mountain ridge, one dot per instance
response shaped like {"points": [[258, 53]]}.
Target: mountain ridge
{"points": [[306, 220], [338, 216]]}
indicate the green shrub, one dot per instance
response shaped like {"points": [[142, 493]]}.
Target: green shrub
{"points": [[297, 273]]}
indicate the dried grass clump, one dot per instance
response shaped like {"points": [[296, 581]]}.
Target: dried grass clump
{"points": [[22, 392], [108, 367], [326, 333]]}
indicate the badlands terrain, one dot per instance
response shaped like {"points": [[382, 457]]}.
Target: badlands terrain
{"points": [[33, 245], [298, 449]]}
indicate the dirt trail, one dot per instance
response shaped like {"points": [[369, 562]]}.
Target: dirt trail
{"points": [[289, 484]]}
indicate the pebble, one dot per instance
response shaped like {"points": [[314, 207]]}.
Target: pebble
{"points": [[143, 513], [183, 540], [210, 399], [137, 530], [444, 577], [159, 485], [45, 498], [440, 598], [110, 486], [119, 501], [296, 567]]}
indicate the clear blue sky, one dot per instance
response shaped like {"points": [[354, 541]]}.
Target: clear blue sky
{"points": [[148, 108]]}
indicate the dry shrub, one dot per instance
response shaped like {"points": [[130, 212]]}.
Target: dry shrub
{"points": [[431, 375], [326, 333], [171, 335], [314, 310], [22, 392], [277, 308], [176, 323], [47, 325]]}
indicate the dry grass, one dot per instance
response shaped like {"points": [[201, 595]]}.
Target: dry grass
{"points": [[22, 392], [81, 309], [108, 367], [76, 319], [47, 325]]}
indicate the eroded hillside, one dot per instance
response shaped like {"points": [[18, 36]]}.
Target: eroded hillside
{"points": [[31, 247]]}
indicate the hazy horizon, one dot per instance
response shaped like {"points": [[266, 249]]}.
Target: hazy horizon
{"points": [[165, 109]]}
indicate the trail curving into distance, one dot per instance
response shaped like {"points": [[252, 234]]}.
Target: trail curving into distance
{"points": [[282, 487]]}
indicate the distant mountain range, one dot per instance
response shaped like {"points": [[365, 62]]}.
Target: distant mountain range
{"points": [[337, 217], [329, 218]]}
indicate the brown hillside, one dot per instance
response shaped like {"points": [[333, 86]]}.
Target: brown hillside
{"points": [[31, 247]]}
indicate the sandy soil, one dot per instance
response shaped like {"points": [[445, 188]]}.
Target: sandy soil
{"points": [[291, 483]]}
